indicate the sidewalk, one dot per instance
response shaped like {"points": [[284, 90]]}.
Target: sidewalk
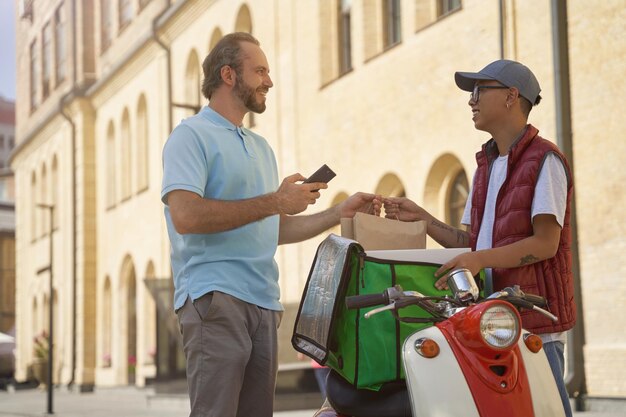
{"points": [[118, 402], [125, 402]]}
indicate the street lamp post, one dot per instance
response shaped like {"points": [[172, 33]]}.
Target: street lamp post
{"points": [[50, 208]]}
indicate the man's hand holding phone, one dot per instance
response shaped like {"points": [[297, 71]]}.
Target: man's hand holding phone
{"points": [[323, 174]]}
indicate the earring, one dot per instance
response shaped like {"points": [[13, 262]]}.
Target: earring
{"points": [[508, 105]]}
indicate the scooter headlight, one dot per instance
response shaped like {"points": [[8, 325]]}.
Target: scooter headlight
{"points": [[499, 326]]}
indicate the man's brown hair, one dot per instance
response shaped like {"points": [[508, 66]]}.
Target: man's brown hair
{"points": [[226, 52]]}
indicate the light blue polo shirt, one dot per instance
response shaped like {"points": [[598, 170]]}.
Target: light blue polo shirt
{"points": [[208, 155]]}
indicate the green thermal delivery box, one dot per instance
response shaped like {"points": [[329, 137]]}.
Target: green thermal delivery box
{"points": [[366, 352]]}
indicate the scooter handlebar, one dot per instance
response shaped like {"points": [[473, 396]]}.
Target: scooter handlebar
{"points": [[367, 300], [537, 300]]}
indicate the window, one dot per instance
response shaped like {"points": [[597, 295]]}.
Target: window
{"points": [[55, 193], [428, 11], [335, 39], [46, 58], [150, 317], [107, 323], [215, 38], [43, 199], [125, 13], [59, 44], [447, 6], [142, 145], [243, 22], [392, 34], [344, 38], [459, 191], [111, 164], [34, 75], [106, 29], [125, 156], [193, 81], [33, 206], [25, 9]]}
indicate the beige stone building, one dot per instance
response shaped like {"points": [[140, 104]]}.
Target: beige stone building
{"points": [[7, 227], [365, 86]]}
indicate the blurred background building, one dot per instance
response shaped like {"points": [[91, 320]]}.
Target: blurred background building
{"points": [[7, 239], [365, 86]]}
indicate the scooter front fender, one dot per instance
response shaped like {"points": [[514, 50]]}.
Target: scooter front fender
{"points": [[437, 386], [543, 389]]}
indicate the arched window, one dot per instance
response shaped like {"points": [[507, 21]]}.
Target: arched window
{"points": [[243, 23], [107, 323], [446, 190], [34, 230], [141, 151], [215, 38], [129, 295], [457, 196], [45, 325], [125, 140], [111, 164], [43, 199], [390, 186], [57, 323], [149, 319], [192, 81], [55, 193], [35, 324]]}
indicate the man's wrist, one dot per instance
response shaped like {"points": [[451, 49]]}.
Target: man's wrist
{"points": [[272, 203], [338, 212]]}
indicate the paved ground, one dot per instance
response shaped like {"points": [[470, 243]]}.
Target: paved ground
{"points": [[118, 402], [126, 402]]}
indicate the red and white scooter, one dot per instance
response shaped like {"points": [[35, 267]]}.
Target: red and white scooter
{"points": [[475, 361]]}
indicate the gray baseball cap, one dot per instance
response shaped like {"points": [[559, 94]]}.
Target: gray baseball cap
{"points": [[509, 73]]}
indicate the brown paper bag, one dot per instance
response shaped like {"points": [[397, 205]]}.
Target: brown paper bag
{"points": [[379, 233]]}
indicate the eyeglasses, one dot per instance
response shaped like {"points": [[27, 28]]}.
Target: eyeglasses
{"points": [[475, 95]]}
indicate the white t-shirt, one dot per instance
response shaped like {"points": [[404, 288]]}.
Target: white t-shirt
{"points": [[550, 198]]}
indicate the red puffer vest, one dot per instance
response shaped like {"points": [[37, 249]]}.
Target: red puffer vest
{"points": [[551, 278]]}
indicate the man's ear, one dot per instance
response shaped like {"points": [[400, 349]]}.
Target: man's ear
{"points": [[228, 75], [513, 95]]}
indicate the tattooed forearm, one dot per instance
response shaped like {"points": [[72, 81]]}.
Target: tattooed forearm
{"points": [[442, 226], [461, 238], [446, 239], [528, 259]]}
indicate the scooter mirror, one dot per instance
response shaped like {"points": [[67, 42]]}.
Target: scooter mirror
{"points": [[463, 285]]}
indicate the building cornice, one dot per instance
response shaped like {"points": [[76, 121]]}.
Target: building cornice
{"points": [[180, 17], [54, 112], [168, 21], [143, 45]]}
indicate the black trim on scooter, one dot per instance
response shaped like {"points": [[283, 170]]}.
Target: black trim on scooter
{"points": [[392, 400]]}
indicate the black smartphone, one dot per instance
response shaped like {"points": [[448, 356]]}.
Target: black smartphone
{"points": [[324, 174]]}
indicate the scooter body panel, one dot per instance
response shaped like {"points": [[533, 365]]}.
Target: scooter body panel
{"points": [[437, 386], [545, 394]]}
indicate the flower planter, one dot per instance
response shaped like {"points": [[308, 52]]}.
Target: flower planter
{"points": [[40, 371]]}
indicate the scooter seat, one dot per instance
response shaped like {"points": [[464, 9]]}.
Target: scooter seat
{"points": [[391, 401]]}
